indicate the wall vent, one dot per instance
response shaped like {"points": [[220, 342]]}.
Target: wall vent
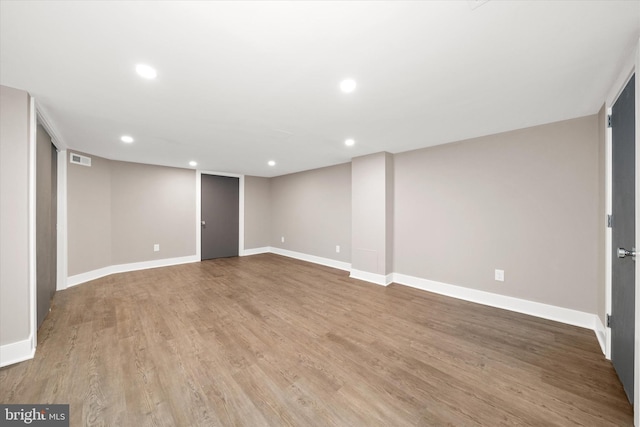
{"points": [[80, 160]]}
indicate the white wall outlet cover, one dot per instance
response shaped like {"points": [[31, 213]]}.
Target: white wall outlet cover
{"points": [[499, 275], [156, 247], [282, 239], [338, 249]]}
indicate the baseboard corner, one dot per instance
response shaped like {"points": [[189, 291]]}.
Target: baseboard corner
{"points": [[255, 251], [340, 265], [17, 352], [545, 311], [378, 279], [601, 333], [123, 268]]}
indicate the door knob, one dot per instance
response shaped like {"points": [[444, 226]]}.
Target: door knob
{"points": [[622, 253], [202, 223]]}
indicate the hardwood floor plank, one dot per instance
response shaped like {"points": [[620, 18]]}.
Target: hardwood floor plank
{"points": [[271, 341]]}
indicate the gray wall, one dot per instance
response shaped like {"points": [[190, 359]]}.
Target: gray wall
{"points": [[14, 215], [149, 205], [117, 211], [257, 212], [523, 201], [88, 215], [312, 210]]}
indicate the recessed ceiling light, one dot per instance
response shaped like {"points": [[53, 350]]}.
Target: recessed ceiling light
{"points": [[146, 71], [126, 138], [271, 163], [349, 142], [193, 163], [348, 85]]}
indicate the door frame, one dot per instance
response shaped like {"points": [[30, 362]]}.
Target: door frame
{"points": [[37, 116], [631, 66], [61, 232], [199, 174]]}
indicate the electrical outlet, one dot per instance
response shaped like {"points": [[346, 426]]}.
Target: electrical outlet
{"points": [[282, 239], [156, 247], [338, 249], [499, 275]]}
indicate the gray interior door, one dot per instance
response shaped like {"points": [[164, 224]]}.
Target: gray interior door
{"points": [[220, 196], [623, 236], [46, 222]]}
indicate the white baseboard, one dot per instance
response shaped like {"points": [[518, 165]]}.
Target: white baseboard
{"points": [[88, 276], [312, 258], [378, 279], [545, 311], [122, 268], [255, 251], [17, 352], [601, 334]]}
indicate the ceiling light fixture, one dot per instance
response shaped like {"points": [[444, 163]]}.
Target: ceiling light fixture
{"points": [[271, 163], [193, 163], [146, 71], [349, 142], [348, 85], [126, 138]]}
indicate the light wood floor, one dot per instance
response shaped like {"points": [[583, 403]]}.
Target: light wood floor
{"points": [[267, 340]]}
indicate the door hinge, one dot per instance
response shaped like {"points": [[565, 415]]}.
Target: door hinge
{"points": [[608, 320], [609, 120], [609, 221]]}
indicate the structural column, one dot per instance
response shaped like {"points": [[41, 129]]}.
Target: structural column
{"points": [[372, 218]]}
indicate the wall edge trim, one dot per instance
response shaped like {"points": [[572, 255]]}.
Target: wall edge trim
{"points": [[532, 308], [536, 309], [123, 268], [545, 311], [601, 334], [17, 352], [378, 279], [340, 265], [256, 251]]}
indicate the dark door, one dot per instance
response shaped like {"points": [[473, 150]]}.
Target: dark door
{"points": [[220, 196], [46, 222], [623, 236]]}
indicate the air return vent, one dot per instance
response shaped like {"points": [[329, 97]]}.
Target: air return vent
{"points": [[80, 160]]}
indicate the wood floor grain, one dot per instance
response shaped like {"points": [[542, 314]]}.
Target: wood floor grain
{"points": [[270, 341]]}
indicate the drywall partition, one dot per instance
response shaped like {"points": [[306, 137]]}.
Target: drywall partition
{"points": [[16, 317], [88, 215], [119, 211], [372, 218], [151, 205], [311, 211], [525, 202], [257, 214]]}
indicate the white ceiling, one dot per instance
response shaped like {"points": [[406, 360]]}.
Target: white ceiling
{"points": [[241, 83]]}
